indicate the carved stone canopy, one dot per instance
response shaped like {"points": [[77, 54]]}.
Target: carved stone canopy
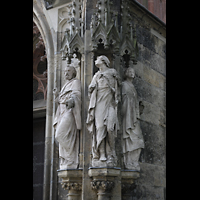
{"points": [[105, 29], [118, 38], [73, 37]]}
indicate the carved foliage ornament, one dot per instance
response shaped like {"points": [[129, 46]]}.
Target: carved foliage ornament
{"points": [[104, 185], [71, 186]]}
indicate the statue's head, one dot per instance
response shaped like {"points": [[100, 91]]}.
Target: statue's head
{"points": [[102, 59], [129, 73], [70, 72]]}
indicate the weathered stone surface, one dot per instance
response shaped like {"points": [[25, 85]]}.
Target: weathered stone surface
{"points": [[150, 41], [153, 77], [154, 137], [144, 192], [150, 93], [152, 59], [151, 113], [152, 182], [152, 175], [145, 38]]}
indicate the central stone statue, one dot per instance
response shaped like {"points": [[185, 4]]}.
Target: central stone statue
{"points": [[102, 121]]}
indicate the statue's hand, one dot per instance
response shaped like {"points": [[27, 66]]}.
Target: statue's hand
{"points": [[70, 103], [91, 88]]}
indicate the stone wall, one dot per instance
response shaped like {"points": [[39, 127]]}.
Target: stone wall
{"points": [[150, 83]]}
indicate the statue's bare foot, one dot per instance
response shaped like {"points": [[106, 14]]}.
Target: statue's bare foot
{"points": [[103, 158]]}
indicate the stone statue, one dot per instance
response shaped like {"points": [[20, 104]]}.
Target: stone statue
{"points": [[132, 141], [102, 121], [68, 119]]}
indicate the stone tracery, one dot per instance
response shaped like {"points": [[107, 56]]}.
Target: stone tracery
{"points": [[39, 66]]}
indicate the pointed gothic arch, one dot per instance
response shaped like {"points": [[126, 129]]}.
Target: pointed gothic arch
{"points": [[44, 29]]}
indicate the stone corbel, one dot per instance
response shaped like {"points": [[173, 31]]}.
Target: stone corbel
{"points": [[103, 181], [72, 181], [128, 178], [103, 188]]}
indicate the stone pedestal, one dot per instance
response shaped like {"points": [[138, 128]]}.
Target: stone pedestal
{"points": [[103, 181], [128, 178], [72, 181]]}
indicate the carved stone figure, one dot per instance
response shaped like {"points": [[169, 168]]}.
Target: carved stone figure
{"points": [[102, 121], [68, 119], [132, 135]]}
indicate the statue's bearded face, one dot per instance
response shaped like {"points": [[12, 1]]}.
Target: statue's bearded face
{"points": [[69, 73]]}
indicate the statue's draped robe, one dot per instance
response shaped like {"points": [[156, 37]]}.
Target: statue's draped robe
{"points": [[132, 134], [68, 122], [102, 113]]}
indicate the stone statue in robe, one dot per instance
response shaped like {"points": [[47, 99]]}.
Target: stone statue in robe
{"points": [[67, 121], [102, 121], [132, 141]]}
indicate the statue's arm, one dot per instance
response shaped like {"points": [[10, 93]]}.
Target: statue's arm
{"points": [[92, 85], [70, 103]]}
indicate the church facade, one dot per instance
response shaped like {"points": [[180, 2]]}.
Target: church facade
{"points": [[99, 101]]}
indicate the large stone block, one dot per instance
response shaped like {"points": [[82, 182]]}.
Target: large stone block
{"points": [[152, 175], [155, 146], [144, 37], [144, 192], [152, 59], [160, 176], [150, 93], [151, 41], [149, 75], [151, 113], [158, 63]]}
